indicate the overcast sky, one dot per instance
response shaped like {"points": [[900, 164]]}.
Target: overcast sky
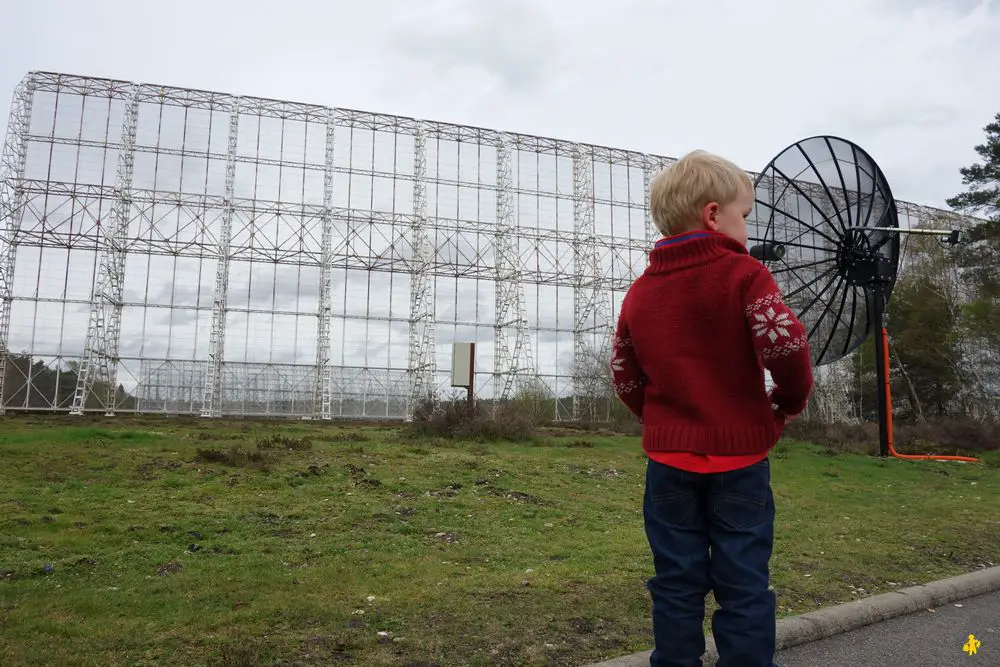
{"points": [[912, 81]]}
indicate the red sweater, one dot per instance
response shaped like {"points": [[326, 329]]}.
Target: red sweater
{"points": [[695, 333]]}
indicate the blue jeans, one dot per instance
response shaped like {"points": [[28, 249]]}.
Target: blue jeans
{"points": [[711, 532]]}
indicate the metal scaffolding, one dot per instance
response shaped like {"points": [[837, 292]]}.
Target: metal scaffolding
{"points": [[191, 252], [217, 337], [421, 330], [512, 358], [12, 201], [322, 398], [100, 353]]}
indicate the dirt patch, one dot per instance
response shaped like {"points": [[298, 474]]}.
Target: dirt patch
{"points": [[356, 472], [348, 437], [169, 568], [238, 457], [578, 444], [361, 477], [242, 655], [594, 473], [449, 491], [279, 526], [314, 470], [285, 443], [516, 496], [323, 651]]}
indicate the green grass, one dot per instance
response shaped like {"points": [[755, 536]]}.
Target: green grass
{"points": [[301, 551]]}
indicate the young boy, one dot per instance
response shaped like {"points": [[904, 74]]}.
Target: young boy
{"points": [[695, 333]]}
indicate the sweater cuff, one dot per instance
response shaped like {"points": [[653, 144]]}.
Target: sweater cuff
{"points": [[786, 404]]}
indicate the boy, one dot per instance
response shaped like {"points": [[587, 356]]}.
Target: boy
{"points": [[696, 331]]}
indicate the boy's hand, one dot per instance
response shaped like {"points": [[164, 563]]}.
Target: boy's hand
{"points": [[782, 415]]}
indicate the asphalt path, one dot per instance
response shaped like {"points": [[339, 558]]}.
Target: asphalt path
{"points": [[921, 639]]}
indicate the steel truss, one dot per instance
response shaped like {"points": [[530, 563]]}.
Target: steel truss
{"points": [[100, 354], [322, 398], [591, 297], [218, 200], [512, 349], [217, 337], [421, 329], [12, 199]]}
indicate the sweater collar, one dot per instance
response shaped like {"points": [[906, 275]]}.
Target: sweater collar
{"points": [[673, 252]]}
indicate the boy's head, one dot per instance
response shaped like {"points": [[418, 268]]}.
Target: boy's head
{"points": [[702, 191]]}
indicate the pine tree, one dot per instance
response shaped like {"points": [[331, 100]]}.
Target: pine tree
{"points": [[983, 195], [980, 260]]}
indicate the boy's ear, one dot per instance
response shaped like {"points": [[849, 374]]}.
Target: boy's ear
{"points": [[708, 215]]}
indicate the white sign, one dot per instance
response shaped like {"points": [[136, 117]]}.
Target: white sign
{"points": [[463, 364]]}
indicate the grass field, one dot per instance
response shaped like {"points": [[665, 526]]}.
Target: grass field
{"points": [[146, 541]]}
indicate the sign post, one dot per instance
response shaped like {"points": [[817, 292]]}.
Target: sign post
{"points": [[463, 368]]}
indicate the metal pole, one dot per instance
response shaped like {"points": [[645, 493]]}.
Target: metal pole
{"points": [[881, 370]]}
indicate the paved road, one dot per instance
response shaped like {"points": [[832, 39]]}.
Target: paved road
{"points": [[922, 639]]}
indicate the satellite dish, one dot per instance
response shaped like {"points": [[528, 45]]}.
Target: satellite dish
{"points": [[830, 240], [823, 208], [828, 231]]}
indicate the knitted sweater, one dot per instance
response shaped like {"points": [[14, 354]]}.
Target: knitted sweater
{"points": [[695, 333]]}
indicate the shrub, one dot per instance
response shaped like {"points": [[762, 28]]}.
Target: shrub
{"points": [[534, 401], [952, 436], [455, 419], [862, 438], [947, 436]]}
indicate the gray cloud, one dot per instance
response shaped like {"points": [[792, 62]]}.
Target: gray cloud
{"points": [[897, 119], [954, 7], [509, 41]]}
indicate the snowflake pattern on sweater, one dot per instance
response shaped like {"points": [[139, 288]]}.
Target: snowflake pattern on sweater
{"points": [[626, 376], [780, 341], [776, 331]]}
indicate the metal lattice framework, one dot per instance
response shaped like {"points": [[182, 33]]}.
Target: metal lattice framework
{"points": [[12, 199], [184, 251], [421, 328], [217, 337]]}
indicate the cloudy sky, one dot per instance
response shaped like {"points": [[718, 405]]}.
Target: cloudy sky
{"points": [[911, 81]]}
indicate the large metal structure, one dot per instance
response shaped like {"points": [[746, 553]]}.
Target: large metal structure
{"points": [[185, 251]]}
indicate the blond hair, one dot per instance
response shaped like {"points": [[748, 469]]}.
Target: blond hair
{"points": [[678, 193]]}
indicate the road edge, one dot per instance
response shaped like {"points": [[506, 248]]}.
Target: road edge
{"points": [[830, 621]]}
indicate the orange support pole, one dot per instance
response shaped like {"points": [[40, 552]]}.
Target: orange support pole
{"points": [[888, 397]]}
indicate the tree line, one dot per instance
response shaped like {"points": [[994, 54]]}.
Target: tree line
{"points": [[943, 318], [31, 383]]}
